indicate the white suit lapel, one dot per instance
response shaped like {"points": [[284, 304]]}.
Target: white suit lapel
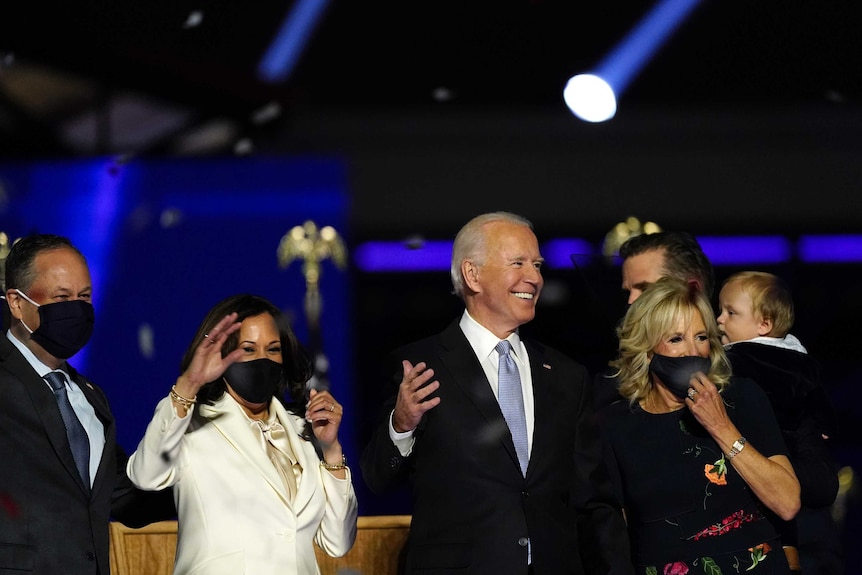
{"points": [[307, 458], [226, 416]]}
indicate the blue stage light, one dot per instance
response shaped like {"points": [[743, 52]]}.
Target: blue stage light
{"points": [[434, 256], [830, 249], [558, 252], [399, 256], [280, 59], [593, 97], [746, 250]]}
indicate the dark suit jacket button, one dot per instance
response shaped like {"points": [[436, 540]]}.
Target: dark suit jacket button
{"points": [[91, 556], [523, 541], [525, 494]]}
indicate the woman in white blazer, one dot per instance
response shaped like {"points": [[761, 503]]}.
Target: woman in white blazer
{"points": [[255, 480]]}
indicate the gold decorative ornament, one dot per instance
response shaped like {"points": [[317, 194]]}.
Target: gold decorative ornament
{"points": [[624, 230], [5, 247], [312, 246]]}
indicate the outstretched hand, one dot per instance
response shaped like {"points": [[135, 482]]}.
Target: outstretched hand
{"points": [[412, 402], [207, 362]]}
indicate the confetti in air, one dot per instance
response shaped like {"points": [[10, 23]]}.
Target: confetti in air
{"points": [[194, 19]]}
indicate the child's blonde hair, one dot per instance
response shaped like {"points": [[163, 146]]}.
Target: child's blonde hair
{"points": [[770, 298]]}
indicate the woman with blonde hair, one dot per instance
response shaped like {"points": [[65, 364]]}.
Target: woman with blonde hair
{"points": [[694, 454]]}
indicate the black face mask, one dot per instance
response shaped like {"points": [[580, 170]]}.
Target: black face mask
{"points": [[64, 327], [255, 381], [675, 372]]}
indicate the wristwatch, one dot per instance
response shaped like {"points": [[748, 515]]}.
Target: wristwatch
{"points": [[736, 448]]}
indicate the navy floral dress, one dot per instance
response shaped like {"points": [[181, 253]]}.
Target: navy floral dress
{"points": [[687, 509]]}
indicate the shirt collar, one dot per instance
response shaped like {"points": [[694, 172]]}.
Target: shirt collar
{"points": [[789, 341], [482, 340], [31, 358]]}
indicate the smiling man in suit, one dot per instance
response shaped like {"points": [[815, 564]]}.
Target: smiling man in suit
{"points": [[63, 472], [504, 482]]}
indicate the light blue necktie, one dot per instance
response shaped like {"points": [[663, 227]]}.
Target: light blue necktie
{"points": [[512, 402], [78, 440]]}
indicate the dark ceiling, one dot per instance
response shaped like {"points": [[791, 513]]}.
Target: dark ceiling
{"points": [[164, 76]]}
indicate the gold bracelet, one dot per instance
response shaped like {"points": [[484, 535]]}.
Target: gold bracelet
{"points": [[184, 401], [335, 467]]}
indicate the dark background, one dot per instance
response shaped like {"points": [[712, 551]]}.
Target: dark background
{"points": [[746, 122]]}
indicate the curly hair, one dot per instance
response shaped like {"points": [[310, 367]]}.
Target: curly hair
{"points": [[649, 320]]}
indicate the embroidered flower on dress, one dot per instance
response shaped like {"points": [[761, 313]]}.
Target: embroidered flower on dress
{"points": [[734, 521], [709, 565], [758, 554], [678, 568], [716, 473]]}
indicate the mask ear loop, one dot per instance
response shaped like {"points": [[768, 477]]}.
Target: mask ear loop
{"points": [[25, 296], [28, 299]]}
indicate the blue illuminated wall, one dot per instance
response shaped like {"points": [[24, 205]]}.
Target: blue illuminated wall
{"points": [[165, 241]]}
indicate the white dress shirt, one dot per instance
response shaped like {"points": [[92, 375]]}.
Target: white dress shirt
{"points": [[484, 343]]}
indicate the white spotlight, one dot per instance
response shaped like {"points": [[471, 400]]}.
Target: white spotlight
{"points": [[590, 98]]}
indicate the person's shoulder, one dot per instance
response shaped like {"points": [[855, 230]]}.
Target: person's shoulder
{"points": [[620, 408], [81, 379], [776, 369], [741, 384], [746, 353], [552, 356], [407, 350], [450, 332], [427, 348], [765, 353], [8, 349], [743, 388], [615, 415]]}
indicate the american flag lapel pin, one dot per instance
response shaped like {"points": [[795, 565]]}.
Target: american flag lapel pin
{"points": [[546, 365]]}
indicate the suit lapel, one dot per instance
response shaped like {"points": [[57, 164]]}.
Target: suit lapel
{"points": [[103, 412], [96, 399], [459, 359], [229, 420], [294, 430], [45, 406], [544, 401]]}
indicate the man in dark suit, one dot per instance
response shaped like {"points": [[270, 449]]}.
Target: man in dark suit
{"points": [[63, 473], [487, 499]]}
